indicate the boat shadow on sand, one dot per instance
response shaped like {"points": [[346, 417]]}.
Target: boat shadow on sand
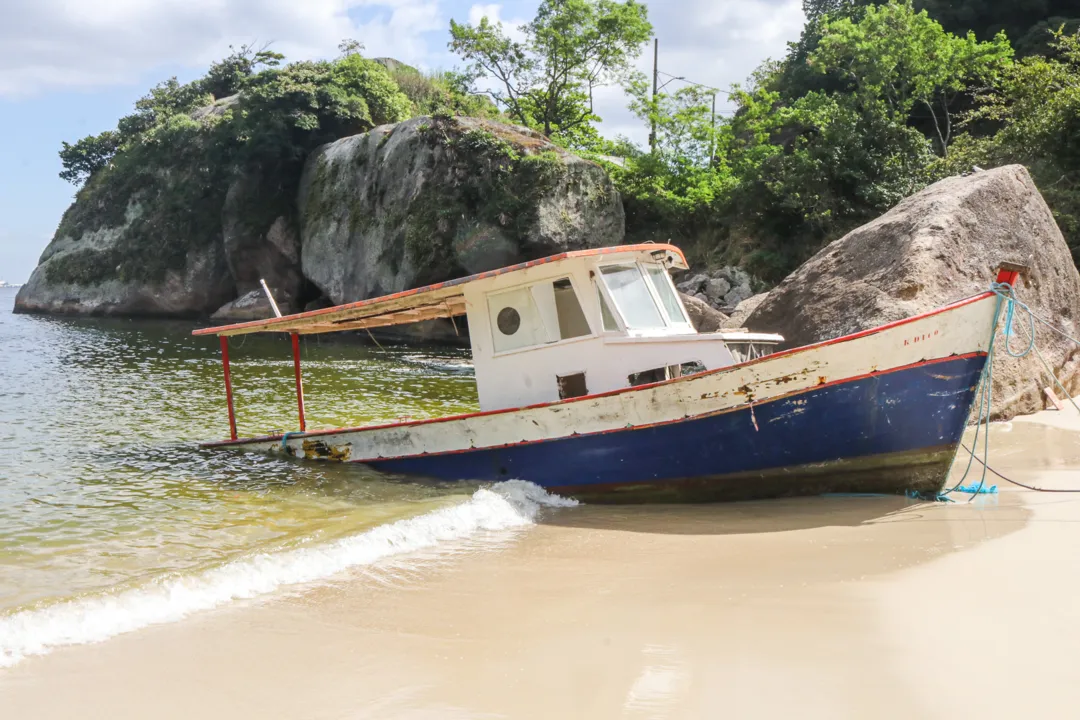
{"points": [[760, 516]]}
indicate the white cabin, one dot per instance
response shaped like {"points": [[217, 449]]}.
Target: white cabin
{"points": [[580, 323], [585, 323]]}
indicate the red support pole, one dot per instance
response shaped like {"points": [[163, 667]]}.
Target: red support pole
{"points": [[299, 380], [228, 385]]}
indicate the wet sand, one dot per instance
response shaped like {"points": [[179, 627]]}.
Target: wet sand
{"points": [[827, 607]]}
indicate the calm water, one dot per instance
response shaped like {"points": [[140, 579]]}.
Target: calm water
{"points": [[103, 490]]}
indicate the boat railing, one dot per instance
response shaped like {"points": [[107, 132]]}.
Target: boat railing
{"points": [[746, 345]]}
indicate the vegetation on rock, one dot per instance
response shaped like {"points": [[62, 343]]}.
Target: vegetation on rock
{"points": [[874, 102], [161, 178]]}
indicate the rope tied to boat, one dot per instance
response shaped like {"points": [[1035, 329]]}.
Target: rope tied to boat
{"points": [[1006, 294], [286, 436]]}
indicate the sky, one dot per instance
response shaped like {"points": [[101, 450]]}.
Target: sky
{"points": [[71, 68]]}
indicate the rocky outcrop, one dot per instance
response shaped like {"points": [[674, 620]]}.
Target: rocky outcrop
{"points": [[252, 305], [723, 288], [91, 272], [431, 199], [401, 206], [703, 316], [261, 245], [935, 247], [143, 237], [744, 310]]}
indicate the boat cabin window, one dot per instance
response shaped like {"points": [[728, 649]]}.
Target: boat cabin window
{"points": [[644, 295], [661, 281], [610, 324], [542, 313], [515, 320], [572, 322], [632, 297], [660, 374]]}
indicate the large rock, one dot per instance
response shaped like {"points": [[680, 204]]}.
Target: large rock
{"points": [[261, 245], [938, 246], [253, 305], [93, 272], [703, 316], [723, 288], [143, 237], [744, 310], [431, 199]]}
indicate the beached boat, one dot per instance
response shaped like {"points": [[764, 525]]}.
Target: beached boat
{"points": [[593, 383]]}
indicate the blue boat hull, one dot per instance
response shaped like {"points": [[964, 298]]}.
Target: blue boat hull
{"points": [[889, 432]]}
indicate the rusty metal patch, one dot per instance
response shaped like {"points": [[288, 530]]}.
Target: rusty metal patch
{"points": [[318, 450]]}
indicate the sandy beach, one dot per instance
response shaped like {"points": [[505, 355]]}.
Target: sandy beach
{"points": [[822, 607]]}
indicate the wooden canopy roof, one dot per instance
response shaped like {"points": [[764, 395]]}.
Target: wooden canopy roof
{"points": [[442, 300]]}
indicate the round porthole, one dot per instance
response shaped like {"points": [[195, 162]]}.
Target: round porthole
{"points": [[508, 321]]}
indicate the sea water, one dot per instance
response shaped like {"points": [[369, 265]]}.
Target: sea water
{"points": [[112, 518]]}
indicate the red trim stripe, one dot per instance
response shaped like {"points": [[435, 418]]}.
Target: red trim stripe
{"points": [[609, 393]]}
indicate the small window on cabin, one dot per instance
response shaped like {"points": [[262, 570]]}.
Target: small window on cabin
{"points": [[572, 322], [610, 324], [666, 291], [515, 320], [632, 296], [646, 377], [691, 368], [572, 386], [546, 312]]}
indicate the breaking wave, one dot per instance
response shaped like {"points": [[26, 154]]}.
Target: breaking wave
{"points": [[510, 504]]}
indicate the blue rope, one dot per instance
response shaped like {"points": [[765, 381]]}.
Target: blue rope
{"points": [[1007, 294], [1010, 295], [286, 436], [1004, 290], [985, 392]]}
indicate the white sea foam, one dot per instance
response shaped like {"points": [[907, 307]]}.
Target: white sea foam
{"points": [[507, 505]]}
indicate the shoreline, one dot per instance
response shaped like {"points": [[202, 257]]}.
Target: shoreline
{"points": [[816, 607]]}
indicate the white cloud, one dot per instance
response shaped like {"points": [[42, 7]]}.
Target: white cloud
{"points": [[57, 44], [54, 44], [712, 42], [493, 13], [479, 12]]}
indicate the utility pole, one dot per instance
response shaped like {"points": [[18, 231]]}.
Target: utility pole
{"points": [[712, 134], [655, 78]]}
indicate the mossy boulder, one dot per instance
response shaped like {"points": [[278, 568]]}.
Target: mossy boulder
{"points": [[115, 266], [144, 235], [432, 199]]}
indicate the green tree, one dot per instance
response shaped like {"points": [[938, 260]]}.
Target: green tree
{"points": [[1027, 23], [88, 156], [810, 171], [349, 46], [547, 79], [227, 77], [1036, 108], [897, 60], [686, 131], [815, 10]]}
